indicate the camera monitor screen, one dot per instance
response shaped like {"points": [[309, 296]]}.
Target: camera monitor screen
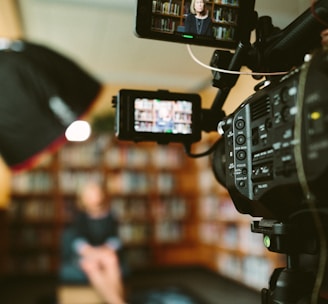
{"points": [[160, 116], [216, 23]]}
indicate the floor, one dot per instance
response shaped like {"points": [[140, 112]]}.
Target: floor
{"points": [[207, 287]]}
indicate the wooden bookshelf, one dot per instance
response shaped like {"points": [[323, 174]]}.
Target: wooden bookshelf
{"points": [[32, 221], [151, 189], [169, 16], [170, 208]]}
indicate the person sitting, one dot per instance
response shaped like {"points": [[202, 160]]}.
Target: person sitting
{"points": [[90, 250]]}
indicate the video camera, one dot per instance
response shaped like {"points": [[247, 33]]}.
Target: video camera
{"points": [[271, 155]]}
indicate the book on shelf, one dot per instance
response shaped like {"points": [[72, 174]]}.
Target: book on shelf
{"points": [[167, 7], [256, 271], [41, 263], [172, 208], [84, 155], [32, 238], [134, 233], [168, 231], [32, 209], [32, 182], [229, 265], [130, 208], [70, 182], [209, 233]]}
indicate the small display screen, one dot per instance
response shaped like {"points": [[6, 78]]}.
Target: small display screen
{"points": [[211, 23], [162, 116]]}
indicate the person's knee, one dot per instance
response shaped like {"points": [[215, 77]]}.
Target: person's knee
{"points": [[109, 257], [89, 266]]}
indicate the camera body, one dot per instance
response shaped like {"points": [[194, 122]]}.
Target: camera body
{"points": [[159, 116], [268, 135]]}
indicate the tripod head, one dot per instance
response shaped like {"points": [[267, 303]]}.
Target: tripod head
{"points": [[299, 282]]}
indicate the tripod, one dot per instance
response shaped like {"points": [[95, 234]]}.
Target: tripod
{"points": [[294, 283]]}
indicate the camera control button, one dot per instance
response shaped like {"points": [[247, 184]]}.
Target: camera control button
{"points": [[240, 139], [285, 96], [256, 190], [241, 155], [242, 184], [285, 113], [240, 124]]}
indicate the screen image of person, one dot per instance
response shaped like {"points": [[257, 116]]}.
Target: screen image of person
{"points": [[164, 117], [198, 22]]}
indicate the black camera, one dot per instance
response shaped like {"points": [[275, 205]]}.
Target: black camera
{"points": [[159, 116], [263, 141], [271, 156]]}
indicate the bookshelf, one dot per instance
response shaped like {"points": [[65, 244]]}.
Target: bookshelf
{"points": [[150, 188], [170, 208], [32, 233], [169, 16]]}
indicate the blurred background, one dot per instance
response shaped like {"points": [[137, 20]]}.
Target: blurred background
{"points": [[172, 211]]}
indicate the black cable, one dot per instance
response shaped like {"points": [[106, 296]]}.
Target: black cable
{"points": [[202, 154]]}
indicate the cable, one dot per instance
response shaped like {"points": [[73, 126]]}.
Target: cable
{"points": [[310, 199], [205, 153], [228, 71]]}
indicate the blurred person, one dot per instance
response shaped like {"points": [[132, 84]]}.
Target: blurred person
{"points": [[91, 245]]}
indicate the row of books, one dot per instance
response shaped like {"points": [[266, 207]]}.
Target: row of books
{"points": [[32, 238], [212, 206], [231, 236], [40, 263], [130, 208], [166, 7], [106, 153], [224, 32], [255, 271], [88, 154], [70, 182], [32, 182], [138, 157], [164, 24], [138, 257], [141, 233], [140, 183], [225, 15], [32, 209], [169, 231], [123, 182], [134, 233], [173, 208], [115, 157]]}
